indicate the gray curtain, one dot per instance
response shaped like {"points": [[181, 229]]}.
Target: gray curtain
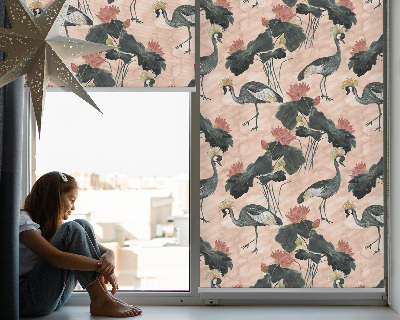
{"points": [[11, 110]]}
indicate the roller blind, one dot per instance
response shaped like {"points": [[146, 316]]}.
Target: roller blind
{"points": [[292, 144], [153, 40]]}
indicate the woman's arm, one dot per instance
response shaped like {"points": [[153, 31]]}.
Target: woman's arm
{"points": [[107, 260], [65, 260], [108, 265], [103, 249]]}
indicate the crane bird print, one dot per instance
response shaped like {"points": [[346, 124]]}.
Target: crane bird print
{"points": [[148, 77], [297, 131], [208, 63], [251, 215], [208, 186], [183, 16], [372, 93], [327, 188], [251, 92], [327, 65], [372, 216]]}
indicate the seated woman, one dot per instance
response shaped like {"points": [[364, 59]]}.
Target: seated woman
{"points": [[55, 256]]}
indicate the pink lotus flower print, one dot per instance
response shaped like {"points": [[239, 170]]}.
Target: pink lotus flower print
{"points": [[222, 124], [346, 3], [223, 3], [298, 213], [126, 23], [283, 12], [264, 268], [344, 247], [343, 123], [360, 45], [74, 68], [264, 145], [236, 45], [236, 168], [283, 258], [221, 246], [95, 60], [283, 135], [155, 47], [108, 13], [298, 90], [316, 101], [316, 223], [358, 169]]}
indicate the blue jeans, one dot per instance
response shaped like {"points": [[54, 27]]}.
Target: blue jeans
{"points": [[47, 288]]}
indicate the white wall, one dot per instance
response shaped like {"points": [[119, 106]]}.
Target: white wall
{"points": [[181, 222], [395, 152], [167, 268], [129, 208]]}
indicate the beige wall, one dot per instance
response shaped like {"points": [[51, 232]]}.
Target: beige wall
{"points": [[158, 268], [130, 209]]}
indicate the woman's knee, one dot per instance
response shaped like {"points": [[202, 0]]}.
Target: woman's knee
{"points": [[72, 237], [85, 225], [71, 226]]}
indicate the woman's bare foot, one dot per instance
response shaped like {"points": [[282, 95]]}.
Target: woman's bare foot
{"points": [[103, 304], [109, 307], [103, 284]]}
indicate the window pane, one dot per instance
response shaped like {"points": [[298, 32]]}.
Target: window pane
{"points": [[132, 166], [292, 145], [148, 51]]}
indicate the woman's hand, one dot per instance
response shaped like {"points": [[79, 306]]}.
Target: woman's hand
{"points": [[112, 279], [107, 263]]}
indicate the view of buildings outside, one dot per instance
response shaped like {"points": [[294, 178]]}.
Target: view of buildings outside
{"points": [[140, 213], [145, 220]]}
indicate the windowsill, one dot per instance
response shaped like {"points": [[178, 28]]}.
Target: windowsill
{"points": [[126, 89], [240, 312], [255, 297], [313, 296]]}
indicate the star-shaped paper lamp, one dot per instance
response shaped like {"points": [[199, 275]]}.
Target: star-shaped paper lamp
{"points": [[35, 47]]}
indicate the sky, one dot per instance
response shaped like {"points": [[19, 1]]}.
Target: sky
{"points": [[140, 133]]}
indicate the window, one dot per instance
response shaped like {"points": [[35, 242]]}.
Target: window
{"points": [[132, 166], [147, 283], [288, 115], [373, 296]]}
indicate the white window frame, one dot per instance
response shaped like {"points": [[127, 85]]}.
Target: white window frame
{"points": [[389, 297], [197, 295], [28, 174]]}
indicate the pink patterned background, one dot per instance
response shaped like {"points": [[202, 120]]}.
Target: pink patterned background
{"points": [[246, 146], [179, 69]]}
